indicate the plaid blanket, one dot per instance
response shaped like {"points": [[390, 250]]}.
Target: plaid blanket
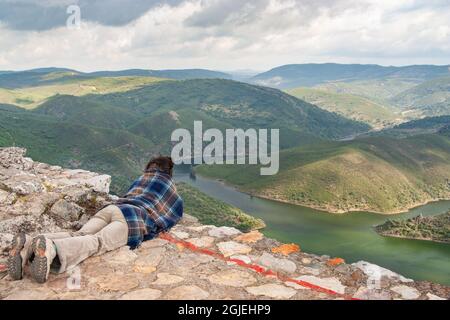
{"points": [[151, 205]]}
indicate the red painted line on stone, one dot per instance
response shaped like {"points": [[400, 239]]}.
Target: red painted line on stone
{"points": [[257, 268]]}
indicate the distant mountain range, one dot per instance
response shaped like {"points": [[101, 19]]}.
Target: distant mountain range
{"points": [[378, 95], [308, 75], [48, 76]]}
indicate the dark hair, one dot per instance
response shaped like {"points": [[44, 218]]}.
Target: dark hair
{"points": [[165, 164]]}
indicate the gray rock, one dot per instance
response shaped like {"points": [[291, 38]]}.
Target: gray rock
{"points": [[328, 283], [199, 228], [180, 234], [100, 183], [24, 184], [33, 294], [28, 224], [122, 256], [165, 279], [376, 272], [12, 157], [431, 296], [67, 211], [343, 268], [230, 248], [42, 168], [5, 242], [35, 204], [202, 241], [116, 282], [186, 262], [221, 232], [187, 293], [295, 285], [154, 243], [276, 291], [276, 264], [76, 194], [306, 260], [242, 258], [142, 294], [7, 198], [232, 278], [307, 270], [364, 293], [406, 292], [152, 258]]}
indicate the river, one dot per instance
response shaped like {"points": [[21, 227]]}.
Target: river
{"points": [[349, 236]]}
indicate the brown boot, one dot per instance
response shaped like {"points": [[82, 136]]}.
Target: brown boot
{"points": [[19, 255], [44, 252]]}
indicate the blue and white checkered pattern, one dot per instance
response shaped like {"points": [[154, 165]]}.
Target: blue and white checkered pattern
{"points": [[151, 205]]}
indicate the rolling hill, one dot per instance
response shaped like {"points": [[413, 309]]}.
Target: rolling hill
{"points": [[379, 174], [31, 97], [114, 124], [235, 104], [445, 131], [49, 76], [405, 93], [301, 75], [431, 98], [178, 74], [350, 106], [119, 131], [219, 103], [377, 90], [411, 128]]}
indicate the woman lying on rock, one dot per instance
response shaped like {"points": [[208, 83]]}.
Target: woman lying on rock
{"points": [[151, 205]]}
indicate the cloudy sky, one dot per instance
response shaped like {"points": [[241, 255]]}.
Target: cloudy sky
{"points": [[222, 34]]}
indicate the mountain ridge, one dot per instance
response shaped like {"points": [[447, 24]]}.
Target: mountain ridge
{"points": [[295, 75], [378, 174], [141, 122], [51, 75]]}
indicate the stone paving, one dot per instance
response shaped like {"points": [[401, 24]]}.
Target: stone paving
{"points": [[193, 261]]}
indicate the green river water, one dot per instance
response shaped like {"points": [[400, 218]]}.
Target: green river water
{"points": [[350, 236]]}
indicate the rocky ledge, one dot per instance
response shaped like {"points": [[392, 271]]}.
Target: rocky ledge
{"points": [[192, 261]]}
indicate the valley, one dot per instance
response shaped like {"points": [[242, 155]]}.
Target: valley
{"points": [[118, 131], [356, 107], [349, 143], [350, 236], [113, 122]]}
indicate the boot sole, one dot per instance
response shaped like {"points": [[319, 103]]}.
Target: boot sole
{"points": [[15, 270], [39, 266]]}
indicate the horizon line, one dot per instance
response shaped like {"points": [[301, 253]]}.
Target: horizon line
{"points": [[223, 71]]}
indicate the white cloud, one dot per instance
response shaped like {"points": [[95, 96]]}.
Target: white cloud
{"points": [[225, 35]]}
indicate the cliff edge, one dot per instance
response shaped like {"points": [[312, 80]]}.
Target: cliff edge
{"points": [[192, 261]]}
